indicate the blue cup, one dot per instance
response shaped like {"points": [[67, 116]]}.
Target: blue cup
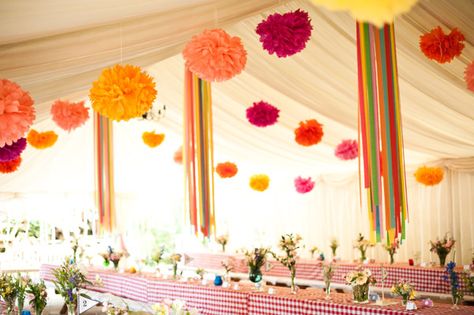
{"points": [[218, 281], [25, 312]]}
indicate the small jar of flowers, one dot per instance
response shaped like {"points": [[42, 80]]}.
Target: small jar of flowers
{"points": [[8, 291], [442, 248], [223, 240], [392, 249], [256, 259], [404, 289], [362, 244], [360, 280]]}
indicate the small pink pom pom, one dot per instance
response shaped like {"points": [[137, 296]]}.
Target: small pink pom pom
{"points": [[347, 150]]}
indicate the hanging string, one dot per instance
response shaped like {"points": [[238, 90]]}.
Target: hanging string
{"points": [[121, 45]]}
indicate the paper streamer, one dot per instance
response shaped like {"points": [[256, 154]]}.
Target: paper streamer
{"points": [[104, 172], [198, 155], [381, 131]]}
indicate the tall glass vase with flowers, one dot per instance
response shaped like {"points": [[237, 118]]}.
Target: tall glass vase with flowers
{"points": [[174, 260], [453, 279], [362, 244], [360, 279], [68, 280], [228, 265], [404, 289], [328, 273], [256, 259], [223, 240], [334, 245], [39, 296], [8, 291], [392, 249], [442, 248], [21, 284], [289, 244]]}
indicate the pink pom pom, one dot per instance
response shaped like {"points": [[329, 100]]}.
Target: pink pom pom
{"points": [[214, 55], [347, 150], [303, 185], [469, 76], [262, 114], [285, 34], [69, 115], [16, 112]]}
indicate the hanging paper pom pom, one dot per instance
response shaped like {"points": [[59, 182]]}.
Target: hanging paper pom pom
{"points": [[226, 169], [214, 55], [12, 151], [285, 34], [151, 139], [429, 175], [178, 156], [377, 12], [440, 47], [469, 76], [259, 182], [42, 140], [68, 115], [303, 185], [347, 150], [122, 92], [262, 114], [16, 112], [309, 133], [10, 166]]}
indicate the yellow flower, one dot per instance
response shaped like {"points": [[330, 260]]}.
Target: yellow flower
{"points": [[393, 289], [412, 294]]}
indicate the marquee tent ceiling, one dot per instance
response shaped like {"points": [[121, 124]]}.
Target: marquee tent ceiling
{"points": [[56, 51]]}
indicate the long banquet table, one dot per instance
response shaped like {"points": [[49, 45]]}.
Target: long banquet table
{"points": [[425, 279], [211, 300]]}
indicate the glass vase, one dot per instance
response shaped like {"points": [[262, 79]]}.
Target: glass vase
{"points": [[175, 271], [404, 300], [20, 303], [71, 309], [106, 262], [255, 275], [10, 307], [361, 293], [294, 288], [116, 264], [333, 249], [456, 300], [362, 255], [442, 258], [328, 290], [38, 310], [391, 259]]}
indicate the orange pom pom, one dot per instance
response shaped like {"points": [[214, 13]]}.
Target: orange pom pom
{"points": [[42, 140], [10, 166], [440, 47], [469, 76], [259, 182], [122, 92], [429, 175], [226, 169], [214, 55], [68, 115], [309, 133], [178, 156], [152, 139]]}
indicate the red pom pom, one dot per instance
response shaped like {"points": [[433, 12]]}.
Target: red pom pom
{"points": [[226, 170], [10, 166], [178, 156], [440, 47], [309, 133]]}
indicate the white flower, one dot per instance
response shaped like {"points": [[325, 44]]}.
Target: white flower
{"points": [[368, 272], [361, 280]]}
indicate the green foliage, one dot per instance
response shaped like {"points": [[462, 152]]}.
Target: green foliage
{"points": [[68, 280], [39, 296]]}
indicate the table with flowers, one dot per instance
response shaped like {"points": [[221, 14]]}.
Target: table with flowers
{"points": [[212, 300], [425, 279]]}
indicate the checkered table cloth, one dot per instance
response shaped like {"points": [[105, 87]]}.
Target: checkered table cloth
{"points": [[428, 280], [210, 300]]}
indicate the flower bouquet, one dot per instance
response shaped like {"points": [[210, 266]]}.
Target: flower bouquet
{"points": [[200, 273], [442, 248], [328, 273], [404, 289], [255, 261], [228, 265], [39, 296], [223, 240], [69, 279], [453, 279], [21, 284], [362, 244], [289, 243], [392, 249], [313, 250], [468, 277], [8, 291], [174, 259], [176, 307], [111, 309], [334, 245], [360, 280]]}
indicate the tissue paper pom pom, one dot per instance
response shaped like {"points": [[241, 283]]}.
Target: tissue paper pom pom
{"points": [[214, 55], [10, 166], [68, 115], [42, 140], [151, 139], [285, 34], [309, 132], [12, 151], [347, 150], [377, 12], [303, 185], [16, 112], [429, 175], [469, 76], [122, 92], [440, 47], [226, 170], [259, 182], [178, 156], [262, 114]]}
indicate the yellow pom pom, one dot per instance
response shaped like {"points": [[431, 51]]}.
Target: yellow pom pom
{"points": [[259, 182], [151, 139], [429, 175], [122, 92]]}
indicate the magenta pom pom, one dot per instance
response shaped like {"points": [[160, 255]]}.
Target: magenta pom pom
{"points": [[10, 152], [303, 185], [262, 114], [347, 150], [285, 34]]}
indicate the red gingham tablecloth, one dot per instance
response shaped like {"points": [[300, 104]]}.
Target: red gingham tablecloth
{"points": [[211, 300], [425, 279]]}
